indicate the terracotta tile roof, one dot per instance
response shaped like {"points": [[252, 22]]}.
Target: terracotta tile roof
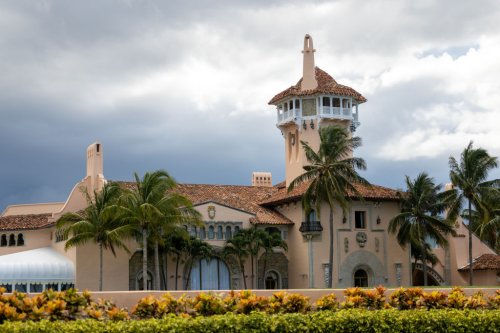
{"points": [[369, 192], [326, 85], [25, 222], [246, 198], [484, 262]]}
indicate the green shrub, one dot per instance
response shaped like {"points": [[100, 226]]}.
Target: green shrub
{"points": [[345, 321]]}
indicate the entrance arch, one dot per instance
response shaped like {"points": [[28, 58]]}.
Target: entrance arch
{"points": [[433, 277], [365, 261]]}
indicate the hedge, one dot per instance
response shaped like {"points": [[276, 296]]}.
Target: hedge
{"points": [[343, 321]]}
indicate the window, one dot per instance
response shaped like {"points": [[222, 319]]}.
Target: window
{"points": [[297, 104], [273, 230], [236, 230], [326, 101], [211, 232], [220, 234], [12, 240], [360, 219], [8, 287], [203, 233], [192, 232], [211, 274], [36, 287], [3, 241], [312, 216], [229, 232], [272, 280], [60, 236], [291, 105], [336, 102], [20, 240], [361, 278]]}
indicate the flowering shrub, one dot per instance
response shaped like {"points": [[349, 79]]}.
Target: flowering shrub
{"points": [[283, 302], [327, 302], [405, 299]]}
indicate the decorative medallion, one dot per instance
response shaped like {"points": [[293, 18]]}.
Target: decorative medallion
{"points": [[361, 238], [211, 212]]}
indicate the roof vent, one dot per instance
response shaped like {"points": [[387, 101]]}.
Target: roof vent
{"points": [[262, 179]]}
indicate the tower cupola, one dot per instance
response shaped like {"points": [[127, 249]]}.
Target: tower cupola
{"points": [[315, 100]]}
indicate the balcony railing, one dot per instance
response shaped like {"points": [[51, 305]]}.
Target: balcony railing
{"points": [[338, 112], [289, 115], [310, 227]]}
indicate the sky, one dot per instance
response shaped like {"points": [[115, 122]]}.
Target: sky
{"points": [[184, 86]]}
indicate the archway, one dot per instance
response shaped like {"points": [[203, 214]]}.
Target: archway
{"points": [[433, 277], [272, 280]]}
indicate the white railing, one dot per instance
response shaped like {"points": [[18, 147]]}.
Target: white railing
{"points": [[288, 115], [336, 112]]}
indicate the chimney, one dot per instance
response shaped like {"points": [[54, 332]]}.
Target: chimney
{"points": [[309, 70], [262, 179], [95, 166]]}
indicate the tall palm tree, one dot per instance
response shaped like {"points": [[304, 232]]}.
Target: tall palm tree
{"points": [[254, 238], [270, 242], [146, 207], [421, 208], [331, 174], [196, 249], [100, 223], [469, 177], [237, 247]]}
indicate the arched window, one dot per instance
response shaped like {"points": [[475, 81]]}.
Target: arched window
{"points": [[3, 241], [272, 280], [229, 232], [20, 240], [236, 229], [203, 233], [220, 234], [192, 231], [140, 282], [12, 240], [211, 274], [312, 216], [360, 278], [211, 232]]}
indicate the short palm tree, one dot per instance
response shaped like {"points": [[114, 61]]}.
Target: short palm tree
{"points": [[331, 175], [422, 206], [100, 223], [146, 208], [175, 242], [237, 247], [254, 238], [270, 242], [469, 177], [196, 249]]}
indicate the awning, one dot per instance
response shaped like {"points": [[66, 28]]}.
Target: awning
{"points": [[43, 265]]}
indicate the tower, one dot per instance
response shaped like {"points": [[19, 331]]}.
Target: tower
{"points": [[316, 100]]}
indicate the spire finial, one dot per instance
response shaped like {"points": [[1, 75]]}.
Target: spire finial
{"points": [[309, 72]]}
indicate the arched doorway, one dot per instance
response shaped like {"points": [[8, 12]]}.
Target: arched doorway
{"points": [[272, 280], [360, 278], [139, 282], [209, 274]]}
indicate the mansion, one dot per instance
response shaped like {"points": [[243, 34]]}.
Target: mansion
{"points": [[33, 257]]}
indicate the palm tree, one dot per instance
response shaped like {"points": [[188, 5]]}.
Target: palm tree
{"points": [[254, 238], [146, 207], [196, 249], [469, 177], [271, 241], [421, 208], [99, 223], [175, 242], [331, 174], [238, 247]]}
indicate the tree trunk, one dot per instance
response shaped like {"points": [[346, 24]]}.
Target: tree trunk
{"points": [[264, 271], [470, 245], [157, 266], [100, 266], [330, 258], [164, 270], [190, 267], [424, 261], [177, 269], [253, 276], [242, 267], [144, 259]]}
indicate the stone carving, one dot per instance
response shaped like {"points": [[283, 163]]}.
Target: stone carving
{"points": [[361, 238], [346, 245], [211, 212], [398, 274], [377, 245]]}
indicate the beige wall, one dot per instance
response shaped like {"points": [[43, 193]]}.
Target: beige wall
{"points": [[33, 239], [388, 254]]}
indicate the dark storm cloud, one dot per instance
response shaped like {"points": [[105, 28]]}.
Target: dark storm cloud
{"points": [[183, 85]]}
